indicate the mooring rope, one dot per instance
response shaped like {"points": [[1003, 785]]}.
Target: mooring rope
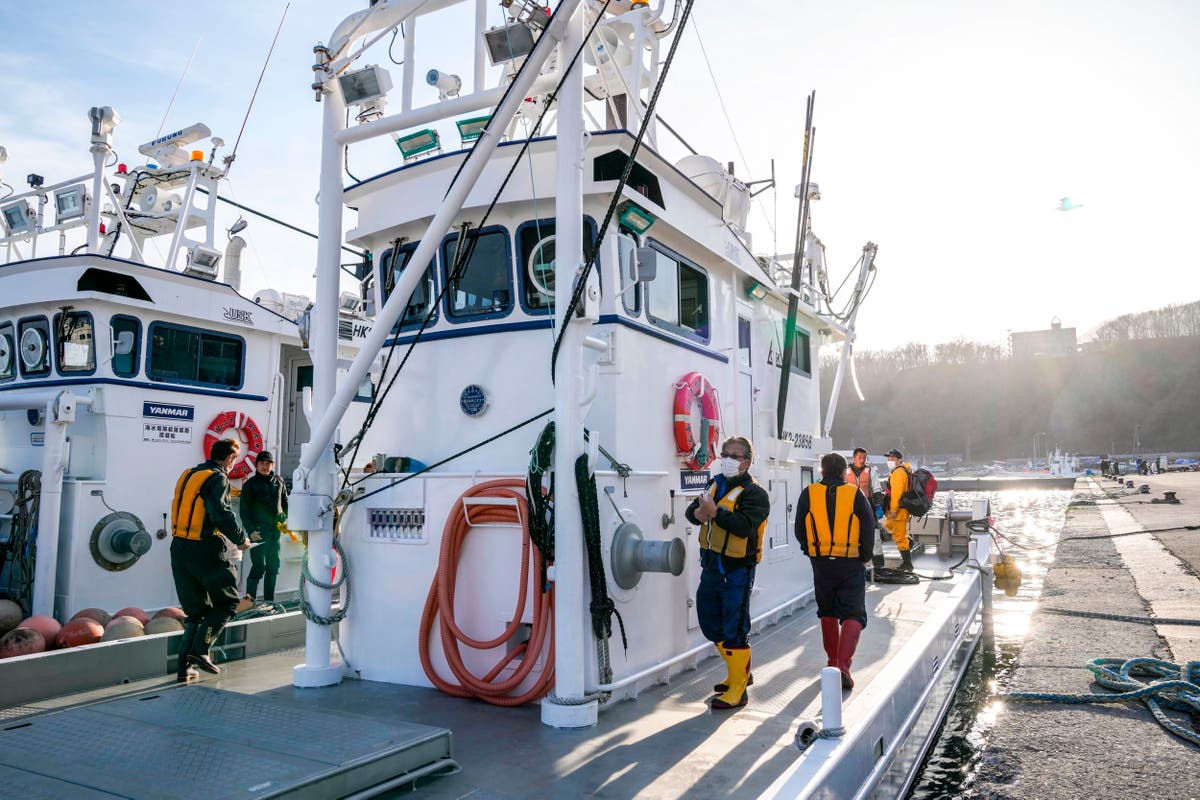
{"points": [[1171, 686]]}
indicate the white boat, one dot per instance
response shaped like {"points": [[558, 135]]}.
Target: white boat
{"points": [[675, 330], [117, 372]]}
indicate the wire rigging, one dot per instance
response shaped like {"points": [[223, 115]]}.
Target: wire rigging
{"points": [[728, 119], [590, 257]]}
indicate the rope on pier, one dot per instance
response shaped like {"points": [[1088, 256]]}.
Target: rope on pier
{"points": [[1123, 617], [1170, 687], [1057, 542]]}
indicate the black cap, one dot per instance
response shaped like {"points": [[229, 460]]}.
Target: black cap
{"points": [[893, 453], [265, 455]]}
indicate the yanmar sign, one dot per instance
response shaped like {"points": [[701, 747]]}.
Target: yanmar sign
{"points": [[164, 411]]}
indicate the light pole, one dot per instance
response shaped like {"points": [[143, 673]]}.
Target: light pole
{"points": [[1035, 441], [1137, 439]]}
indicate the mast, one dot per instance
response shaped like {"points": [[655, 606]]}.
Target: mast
{"points": [[789, 330]]}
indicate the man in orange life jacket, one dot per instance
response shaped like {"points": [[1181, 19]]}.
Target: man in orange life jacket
{"points": [[205, 580], [732, 515], [862, 475], [836, 529], [899, 479]]}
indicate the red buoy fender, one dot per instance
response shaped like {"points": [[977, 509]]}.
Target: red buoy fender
{"points": [[247, 430], [698, 451]]}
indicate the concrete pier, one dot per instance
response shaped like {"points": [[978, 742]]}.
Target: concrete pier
{"points": [[1038, 750]]}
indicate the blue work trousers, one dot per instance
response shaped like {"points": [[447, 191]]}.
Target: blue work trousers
{"points": [[723, 601]]}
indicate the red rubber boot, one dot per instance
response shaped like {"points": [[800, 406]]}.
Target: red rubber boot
{"points": [[851, 630], [830, 636]]}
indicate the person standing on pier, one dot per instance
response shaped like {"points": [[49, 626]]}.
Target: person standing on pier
{"points": [[205, 580], [263, 506], [836, 529], [899, 479], [732, 515]]}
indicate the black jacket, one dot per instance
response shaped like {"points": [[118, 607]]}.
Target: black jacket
{"points": [[862, 508], [752, 507], [264, 499]]}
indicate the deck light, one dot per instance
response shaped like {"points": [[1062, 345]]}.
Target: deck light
{"points": [[419, 143], [70, 203], [365, 86], [202, 262], [471, 129], [508, 42], [757, 290], [19, 217], [636, 219]]}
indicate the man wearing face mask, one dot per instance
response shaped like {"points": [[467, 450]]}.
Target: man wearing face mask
{"points": [[732, 515], [899, 479]]}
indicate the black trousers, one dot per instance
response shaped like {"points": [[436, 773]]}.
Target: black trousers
{"points": [[264, 562], [205, 582], [840, 586]]}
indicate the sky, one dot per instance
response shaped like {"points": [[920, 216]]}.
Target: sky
{"points": [[947, 132]]}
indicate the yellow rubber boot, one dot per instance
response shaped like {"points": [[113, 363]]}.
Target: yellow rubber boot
{"points": [[721, 687], [738, 659]]}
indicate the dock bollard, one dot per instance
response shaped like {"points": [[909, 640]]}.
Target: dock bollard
{"points": [[831, 700]]}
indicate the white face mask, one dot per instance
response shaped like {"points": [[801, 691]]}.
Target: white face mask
{"points": [[892, 465], [730, 467]]}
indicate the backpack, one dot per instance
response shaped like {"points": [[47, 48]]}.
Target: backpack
{"points": [[922, 486]]}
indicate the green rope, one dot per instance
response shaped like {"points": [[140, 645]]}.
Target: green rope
{"points": [[1170, 687], [539, 489], [602, 607]]}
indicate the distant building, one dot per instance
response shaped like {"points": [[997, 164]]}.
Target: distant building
{"points": [[1057, 341]]}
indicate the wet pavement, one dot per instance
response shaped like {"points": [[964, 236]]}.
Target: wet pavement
{"points": [[1037, 750]]}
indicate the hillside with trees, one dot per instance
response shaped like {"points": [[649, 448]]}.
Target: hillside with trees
{"points": [[1132, 385]]}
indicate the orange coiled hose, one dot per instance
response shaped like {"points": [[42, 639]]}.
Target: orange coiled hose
{"points": [[440, 604]]}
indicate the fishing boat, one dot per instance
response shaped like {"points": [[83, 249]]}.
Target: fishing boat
{"points": [[502, 606], [118, 371]]}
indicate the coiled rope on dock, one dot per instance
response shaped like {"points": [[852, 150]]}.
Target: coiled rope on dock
{"points": [[1170, 687]]}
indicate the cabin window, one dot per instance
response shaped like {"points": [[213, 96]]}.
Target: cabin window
{"points": [[33, 346], [75, 343], [678, 296], [529, 234], [179, 354], [631, 291], [125, 353], [801, 353], [419, 304], [8, 352], [483, 289]]}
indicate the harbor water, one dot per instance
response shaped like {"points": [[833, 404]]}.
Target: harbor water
{"points": [[1033, 518]]}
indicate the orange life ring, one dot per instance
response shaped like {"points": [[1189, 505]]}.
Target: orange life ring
{"points": [[247, 431], [697, 451]]}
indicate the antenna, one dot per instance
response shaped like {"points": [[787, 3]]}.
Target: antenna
{"points": [[186, 67], [230, 158]]}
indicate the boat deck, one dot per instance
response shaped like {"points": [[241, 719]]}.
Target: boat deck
{"points": [[666, 743]]}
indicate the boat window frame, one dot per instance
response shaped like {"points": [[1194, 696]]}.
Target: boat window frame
{"points": [[386, 256], [26, 374], [65, 371], [523, 282], [793, 367], [201, 331], [137, 346], [445, 259], [682, 261], [7, 325], [622, 288]]}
